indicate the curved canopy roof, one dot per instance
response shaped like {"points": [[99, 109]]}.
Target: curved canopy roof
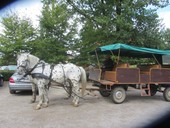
{"points": [[132, 51]]}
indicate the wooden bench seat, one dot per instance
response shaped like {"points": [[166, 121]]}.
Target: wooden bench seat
{"points": [[145, 72], [110, 75], [145, 69], [123, 65]]}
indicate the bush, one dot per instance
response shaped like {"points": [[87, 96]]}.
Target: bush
{"points": [[6, 74]]}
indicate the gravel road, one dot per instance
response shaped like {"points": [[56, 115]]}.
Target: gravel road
{"points": [[94, 112]]}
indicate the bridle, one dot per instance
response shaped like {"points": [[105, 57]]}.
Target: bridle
{"points": [[25, 66]]}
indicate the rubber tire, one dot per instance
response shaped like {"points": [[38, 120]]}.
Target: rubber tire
{"points": [[118, 95], [126, 87], [1, 82], [153, 89], [12, 91], [166, 94], [104, 93]]}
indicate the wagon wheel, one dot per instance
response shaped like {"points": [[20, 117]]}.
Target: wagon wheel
{"points": [[103, 92], [125, 87], [68, 87], [118, 95], [166, 94], [153, 89]]}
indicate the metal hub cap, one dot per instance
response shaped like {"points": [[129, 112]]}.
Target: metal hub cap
{"points": [[169, 93], [119, 95]]}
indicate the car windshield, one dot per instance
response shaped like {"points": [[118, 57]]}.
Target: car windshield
{"points": [[9, 67], [12, 67]]}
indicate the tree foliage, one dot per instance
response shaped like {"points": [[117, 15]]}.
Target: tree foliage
{"points": [[56, 31], [166, 38], [17, 36], [81, 26], [110, 21]]}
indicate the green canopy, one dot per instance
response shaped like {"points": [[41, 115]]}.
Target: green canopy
{"points": [[132, 51]]}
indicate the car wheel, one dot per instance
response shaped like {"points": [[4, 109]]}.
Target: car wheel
{"points": [[1, 82], [12, 91]]}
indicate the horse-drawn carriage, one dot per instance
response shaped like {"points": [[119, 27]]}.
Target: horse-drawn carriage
{"points": [[149, 78]]}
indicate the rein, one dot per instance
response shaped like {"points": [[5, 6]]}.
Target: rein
{"points": [[67, 89], [51, 67], [29, 72]]}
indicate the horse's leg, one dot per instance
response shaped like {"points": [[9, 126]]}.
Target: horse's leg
{"points": [[34, 91], [75, 93], [46, 99], [41, 87], [68, 89]]}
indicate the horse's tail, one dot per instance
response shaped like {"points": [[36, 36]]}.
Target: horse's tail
{"points": [[83, 80]]}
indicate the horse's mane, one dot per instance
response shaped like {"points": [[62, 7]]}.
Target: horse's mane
{"points": [[33, 60]]}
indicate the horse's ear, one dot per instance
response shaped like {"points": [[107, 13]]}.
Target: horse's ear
{"points": [[18, 55], [27, 56], [32, 59]]}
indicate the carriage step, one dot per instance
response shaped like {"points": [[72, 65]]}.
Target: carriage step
{"points": [[145, 90]]}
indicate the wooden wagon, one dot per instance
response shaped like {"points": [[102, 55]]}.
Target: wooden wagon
{"points": [[149, 78]]}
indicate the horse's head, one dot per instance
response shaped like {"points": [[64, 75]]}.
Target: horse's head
{"points": [[25, 62]]}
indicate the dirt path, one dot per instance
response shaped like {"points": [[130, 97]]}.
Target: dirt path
{"points": [[135, 112]]}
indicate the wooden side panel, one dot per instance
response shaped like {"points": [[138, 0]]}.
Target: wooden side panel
{"points": [[161, 75], [95, 74], [144, 78], [110, 75], [127, 75]]}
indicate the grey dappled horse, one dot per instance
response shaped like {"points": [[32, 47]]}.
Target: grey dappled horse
{"points": [[41, 74]]}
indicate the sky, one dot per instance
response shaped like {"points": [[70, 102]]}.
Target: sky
{"points": [[32, 9], [164, 14], [26, 8]]}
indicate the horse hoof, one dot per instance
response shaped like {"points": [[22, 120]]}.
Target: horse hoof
{"points": [[32, 101], [45, 105], [66, 98], [37, 107], [75, 105]]}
